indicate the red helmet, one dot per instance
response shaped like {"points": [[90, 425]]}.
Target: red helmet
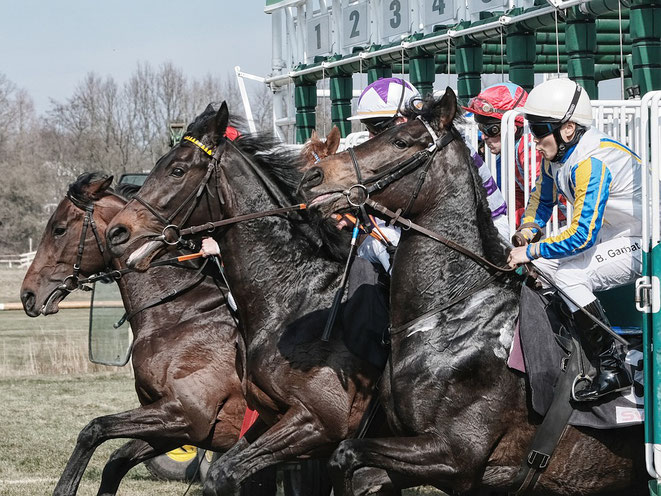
{"points": [[495, 100]]}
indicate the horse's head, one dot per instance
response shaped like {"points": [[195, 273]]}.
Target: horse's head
{"points": [[315, 149], [172, 193], [71, 245], [388, 163]]}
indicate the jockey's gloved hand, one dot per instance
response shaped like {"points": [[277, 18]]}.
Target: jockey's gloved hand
{"points": [[527, 233]]}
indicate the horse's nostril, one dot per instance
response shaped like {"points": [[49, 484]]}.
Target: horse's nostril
{"points": [[118, 235], [313, 177], [28, 298]]}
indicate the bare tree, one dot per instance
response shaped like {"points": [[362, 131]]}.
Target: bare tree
{"points": [[103, 125]]}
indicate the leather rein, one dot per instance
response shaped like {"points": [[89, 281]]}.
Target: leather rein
{"points": [[420, 160]]}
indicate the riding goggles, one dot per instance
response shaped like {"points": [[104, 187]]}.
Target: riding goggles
{"points": [[377, 126], [480, 106], [490, 130], [542, 129]]}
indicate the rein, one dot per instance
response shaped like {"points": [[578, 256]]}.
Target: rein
{"points": [[409, 224]]}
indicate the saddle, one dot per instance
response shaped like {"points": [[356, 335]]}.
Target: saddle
{"points": [[547, 343], [554, 363]]}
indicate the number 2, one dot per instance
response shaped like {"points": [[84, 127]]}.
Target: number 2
{"points": [[355, 17]]}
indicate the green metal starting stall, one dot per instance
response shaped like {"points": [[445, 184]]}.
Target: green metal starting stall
{"points": [[347, 44]]}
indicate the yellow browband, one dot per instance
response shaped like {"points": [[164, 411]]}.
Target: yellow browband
{"points": [[206, 150]]}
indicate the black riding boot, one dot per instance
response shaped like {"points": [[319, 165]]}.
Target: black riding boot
{"points": [[612, 376]]}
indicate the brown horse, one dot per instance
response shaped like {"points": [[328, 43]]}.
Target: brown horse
{"points": [[183, 349], [462, 416], [310, 394], [315, 149]]}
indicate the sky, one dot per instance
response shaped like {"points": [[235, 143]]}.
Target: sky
{"points": [[48, 46]]}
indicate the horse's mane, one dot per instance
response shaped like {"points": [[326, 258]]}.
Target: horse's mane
{"points": [[493, 249], [283, 164], [127, 190]]}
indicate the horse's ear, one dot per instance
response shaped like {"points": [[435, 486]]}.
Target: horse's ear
{"points": [[333, 141], [448, 108], [220, 122], [94, 189]]}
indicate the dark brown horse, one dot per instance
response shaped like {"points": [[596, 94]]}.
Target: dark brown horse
{"points": [[310, 394], [183, 349], [315, 149], [462, 416]]}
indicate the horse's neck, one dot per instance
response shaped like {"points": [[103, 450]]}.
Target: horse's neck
{"points": [[139, 290], [427, 273], [272, 267]]}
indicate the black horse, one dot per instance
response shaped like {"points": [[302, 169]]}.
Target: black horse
{"points": [[310, 394], [462, 416]]}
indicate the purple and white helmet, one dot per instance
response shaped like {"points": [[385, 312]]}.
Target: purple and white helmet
{"points": [[385, 97]]}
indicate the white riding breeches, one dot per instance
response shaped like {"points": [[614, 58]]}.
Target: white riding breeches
{"points": [[608, 264], [375, 251]]}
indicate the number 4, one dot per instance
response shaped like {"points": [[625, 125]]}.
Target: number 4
{"points": [[438, 6]]}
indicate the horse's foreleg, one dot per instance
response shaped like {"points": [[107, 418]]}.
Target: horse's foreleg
{"points": [[158, 422], [297, 433], [416, 459], [124, 459]]}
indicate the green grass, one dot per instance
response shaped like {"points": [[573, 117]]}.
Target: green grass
{"points": [[40, 418], [50, 391]]}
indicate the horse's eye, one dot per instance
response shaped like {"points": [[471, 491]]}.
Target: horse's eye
{"points": [[59, 231], [177, 172], [400, 144]]}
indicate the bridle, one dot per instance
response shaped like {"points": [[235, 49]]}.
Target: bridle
{"points": [[72, 282], [172, 233], [419, 160], [193, 198]]}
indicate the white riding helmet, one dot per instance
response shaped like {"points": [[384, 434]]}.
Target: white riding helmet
{"points": [[384, 98], [559, 100]]}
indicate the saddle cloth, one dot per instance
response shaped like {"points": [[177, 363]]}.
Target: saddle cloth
{"points": [[539, 348]]}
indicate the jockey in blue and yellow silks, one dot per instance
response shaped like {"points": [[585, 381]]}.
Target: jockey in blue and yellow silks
{"points": [[601, 247]]}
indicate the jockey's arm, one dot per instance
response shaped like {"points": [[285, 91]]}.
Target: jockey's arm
{"points": [[592, 180], [541, 202]]}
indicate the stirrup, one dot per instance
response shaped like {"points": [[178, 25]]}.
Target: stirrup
{"points": [[577, 380]]}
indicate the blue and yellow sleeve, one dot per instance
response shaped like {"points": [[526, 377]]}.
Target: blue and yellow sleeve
{"points": [[591, 179], [543, 198]]}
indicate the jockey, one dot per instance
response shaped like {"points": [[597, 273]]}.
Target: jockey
{"points": [[379, 108], [601, 248], [488, 108]]}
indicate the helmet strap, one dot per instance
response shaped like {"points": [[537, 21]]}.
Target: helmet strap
{"points": [[572, 105], [518, 133], [564, 146]]}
